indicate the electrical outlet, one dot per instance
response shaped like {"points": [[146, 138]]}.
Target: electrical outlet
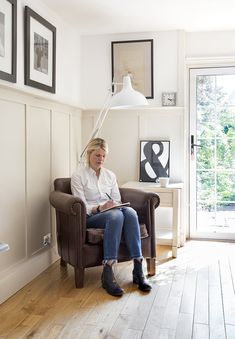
{"points": [[47, 239]]}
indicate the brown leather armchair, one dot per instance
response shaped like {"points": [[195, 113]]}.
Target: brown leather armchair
{"points": [[82, 247]]}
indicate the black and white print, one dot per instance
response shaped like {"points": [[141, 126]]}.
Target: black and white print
{"points": [[154, 160], [40, 53]]}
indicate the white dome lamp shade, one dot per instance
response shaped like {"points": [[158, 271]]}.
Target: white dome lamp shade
{"points": [[127, 97]]}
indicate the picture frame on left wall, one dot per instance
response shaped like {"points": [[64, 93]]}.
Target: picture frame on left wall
{"points": [[40, 52], [8, 39]]}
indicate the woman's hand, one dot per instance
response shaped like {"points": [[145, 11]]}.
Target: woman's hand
{"points": [[107, 204]]}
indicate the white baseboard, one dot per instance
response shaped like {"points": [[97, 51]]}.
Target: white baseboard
{"points": [[12, 280]]}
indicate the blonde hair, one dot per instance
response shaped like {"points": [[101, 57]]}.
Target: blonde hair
{"points": [[94, 145]]}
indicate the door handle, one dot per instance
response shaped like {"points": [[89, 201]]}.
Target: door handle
{"points": [[193, 145]]}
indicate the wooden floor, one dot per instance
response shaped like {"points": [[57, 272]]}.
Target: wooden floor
{"points": [[192, 297]]}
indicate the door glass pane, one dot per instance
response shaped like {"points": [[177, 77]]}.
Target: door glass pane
{"points": [[215, 159], [226, 153], [206, 154]]}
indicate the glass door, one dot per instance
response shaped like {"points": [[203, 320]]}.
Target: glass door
{"points": [[212, 163]]}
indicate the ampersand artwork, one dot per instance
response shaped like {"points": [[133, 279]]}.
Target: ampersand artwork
{"points": [[154, 160]]}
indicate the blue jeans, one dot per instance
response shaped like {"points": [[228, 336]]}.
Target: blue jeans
{"points": [[115, 222]]}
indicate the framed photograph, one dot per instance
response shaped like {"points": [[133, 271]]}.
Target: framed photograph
{"points": [[169, 99], [154, 160], [40, 52], [8, 39], [135, 58]]}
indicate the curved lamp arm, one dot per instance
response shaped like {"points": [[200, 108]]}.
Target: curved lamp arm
{"points": [[126, 98], [99, 122]]}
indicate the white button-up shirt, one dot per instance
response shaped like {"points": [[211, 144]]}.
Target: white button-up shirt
{"points": [[92, 190]]}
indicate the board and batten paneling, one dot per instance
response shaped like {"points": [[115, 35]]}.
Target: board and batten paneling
{"points": [[12, 181], [123, 130], [39, 141], [38, 147], [60, 144], [61, 154]]}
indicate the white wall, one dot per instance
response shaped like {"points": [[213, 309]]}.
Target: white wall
{"points": [[96, 65], [210, 45], [67, 56]]}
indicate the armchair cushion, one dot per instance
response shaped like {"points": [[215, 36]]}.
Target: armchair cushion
{"points": [[96, 235]]}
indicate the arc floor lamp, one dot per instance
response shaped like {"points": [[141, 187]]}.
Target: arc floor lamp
{"points": [[126, 98]]}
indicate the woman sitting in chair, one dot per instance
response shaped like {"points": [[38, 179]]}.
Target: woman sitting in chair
{"points": [[98, 188]]}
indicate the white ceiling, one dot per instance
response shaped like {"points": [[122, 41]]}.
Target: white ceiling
{"points": [[123, 16]]}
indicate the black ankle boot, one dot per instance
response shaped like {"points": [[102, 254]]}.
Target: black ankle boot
{"points": [[139, 278], [109, 283]]}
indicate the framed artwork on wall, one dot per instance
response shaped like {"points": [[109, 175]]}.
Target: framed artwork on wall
{"points": [[134, 57], [8, 39], [154, 160], [40, 52]]}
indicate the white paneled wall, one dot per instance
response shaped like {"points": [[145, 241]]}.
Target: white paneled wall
{"points": [[12, 180], [123, 130], [38, 149], [60, 144], [39, 141]]}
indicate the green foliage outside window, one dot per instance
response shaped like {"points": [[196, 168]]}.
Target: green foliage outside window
{"points": [[216, 134]]}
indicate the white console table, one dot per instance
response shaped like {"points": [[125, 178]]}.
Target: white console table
{"points": [[169, 197]]}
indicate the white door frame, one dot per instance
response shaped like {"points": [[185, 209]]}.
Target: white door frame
{"points": [[192, 164]]}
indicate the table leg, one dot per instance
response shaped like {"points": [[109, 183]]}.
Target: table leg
{"points": [[174, 251], [176, 223]]}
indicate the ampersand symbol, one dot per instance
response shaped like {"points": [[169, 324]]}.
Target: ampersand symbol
{"points": [[155, 164]]}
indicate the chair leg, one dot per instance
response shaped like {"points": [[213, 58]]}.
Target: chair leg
{"points": [[63, 263], [79, 277], [151, 268]]}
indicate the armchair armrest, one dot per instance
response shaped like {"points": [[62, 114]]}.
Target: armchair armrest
{"points": [[145, 204], [70, 225], [67, 203]]}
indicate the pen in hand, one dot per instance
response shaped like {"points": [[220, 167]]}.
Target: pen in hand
{"points": [[109, 196]]}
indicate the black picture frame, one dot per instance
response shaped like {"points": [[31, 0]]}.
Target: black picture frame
{"points": [[154, 160], [40, 52], [134, 57], [8, 44]]}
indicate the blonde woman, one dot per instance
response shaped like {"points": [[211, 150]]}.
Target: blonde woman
{"points": [[98, 188]]}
